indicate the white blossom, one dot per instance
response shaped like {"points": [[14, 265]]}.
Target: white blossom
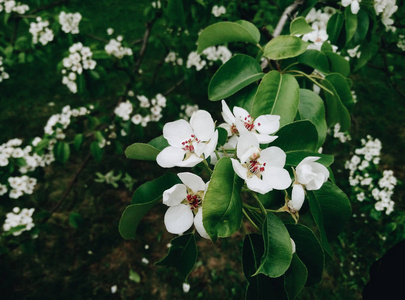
{"points": [[19, 218], [190, 142], [311, 174], [218, 10], [40, 32], [354, 5], [263, 170], [70, 22], [185, 205], [115, 48]]}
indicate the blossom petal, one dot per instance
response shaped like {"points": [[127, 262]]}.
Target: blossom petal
{"points": [[203, 125], [198, 223], [245, 143], [267, 124], [192, 181], [308, 159], [170, 157], [265, 139], [177, 132], [240, 113], [212, 144], [258, 185], [240, 126], [273, 156], [192, 161], [178, 218], [278, 178], [297, 197], [239, 169], [175, 195], [227, 114]]}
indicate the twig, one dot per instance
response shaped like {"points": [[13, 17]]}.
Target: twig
{"points": [[287, 14], [180, 82], [97, 38], [145, 41], [69, 187]]}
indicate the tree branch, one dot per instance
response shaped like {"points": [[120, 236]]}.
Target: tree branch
{"points": [[287, 14]]}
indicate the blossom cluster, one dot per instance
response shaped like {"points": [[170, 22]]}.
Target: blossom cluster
{"points": [[211, 54], [152, 107], [187, 110], [79, 59], [400, 44], [365, 179], [218, 10], [173, 59], [3, 74], [262, 169], [70, 22], [41, 32], [115, 48], [343, 137], [19, 218], [318, 19], [386, 8], [10, 6]]}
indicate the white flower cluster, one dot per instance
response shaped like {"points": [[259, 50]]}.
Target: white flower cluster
{"points": [[79, 59], [173, 58], [156, 4], [64, 119], [154, 106], [218, 10], [3, 74], [212, 54], [318, 19], [21, 185], [400, 44], [386, 8], [343, 137], [354, 5], [10, 6], [21, 218], [354, 52], [115, 48], [70, 22], [362, 177], [40, 32], [188, 110]]}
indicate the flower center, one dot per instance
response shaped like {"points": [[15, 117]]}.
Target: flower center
{"points": [[194, 201], [248, 122], [188, 144], [234, 130]]}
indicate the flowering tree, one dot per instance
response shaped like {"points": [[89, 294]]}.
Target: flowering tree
{"points": [[280, 82]]}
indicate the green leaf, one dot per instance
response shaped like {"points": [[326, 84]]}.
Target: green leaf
{"points": [[336, 112], [315, 59], [338, 64], [277, 248], [159, 142], [100, 54], [299, 26], [244, 97], [237, 73], [96, 151], [151, 191], [300, 135], [141, 151], [309, 250], [175, 12], [75, 220], [144, 198], [295, 277], [222, 204], [284, 46], [134, 276], [334, 27], [225, 32], [363, 23], [335, 208], [222, 135], [311, 107], [278, 94], [342, 88], [295, 157], [182, 255], [259, 286], [61, 151], [350, 24], [78, 140]]}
